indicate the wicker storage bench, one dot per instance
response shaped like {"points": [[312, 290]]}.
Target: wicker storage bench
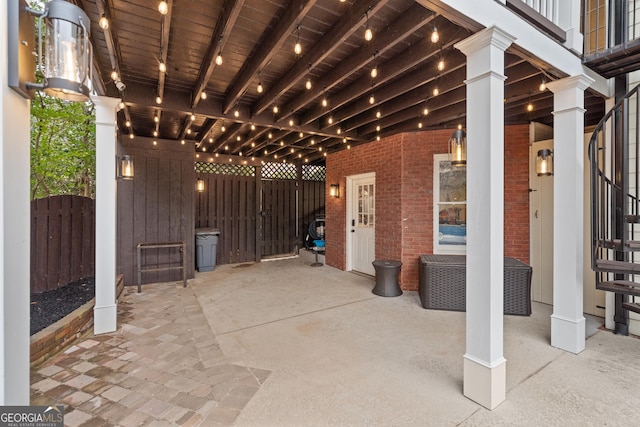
{"points": [[443, 284]]}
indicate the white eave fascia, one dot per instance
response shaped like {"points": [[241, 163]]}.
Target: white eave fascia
{"points": [[494, 13]]}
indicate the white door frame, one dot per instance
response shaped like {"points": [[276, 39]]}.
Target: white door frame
{"points": [[351, 200]]}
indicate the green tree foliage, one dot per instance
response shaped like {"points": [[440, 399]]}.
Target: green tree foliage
{"points": [[62, 147]]}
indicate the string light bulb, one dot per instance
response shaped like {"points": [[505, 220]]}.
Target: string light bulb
{"points": [[127, 123], [155, 133], [325, 102], [378, 128], [425, 111], [253, 127], [308, 84], [114, 75], [374, 72], [419, 125], [158, 100], [436, 91], [162, 67], [372, 99], [156, 119], [260, 88], [163, 7], [189, 131], [104, 22], [275, 109], [529, 107], [330, 120], [236, 113], [543, 86], [435, 37], [219, 58], [223, 128], [441, 64], [297, 48], [368, 34], [378, 114], [203, 95], [193, 117], [130, 136]]}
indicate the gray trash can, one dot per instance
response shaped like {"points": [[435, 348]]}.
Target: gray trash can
{"points": [[387, 272], [206, 247]]}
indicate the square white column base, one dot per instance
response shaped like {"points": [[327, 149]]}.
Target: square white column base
{"points": [[105, 319], [483, 384], [568, 334]]}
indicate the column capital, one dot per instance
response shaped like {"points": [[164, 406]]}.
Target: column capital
{"points": [[105, 108], [568, 92], [492, 36], [581, 82]]}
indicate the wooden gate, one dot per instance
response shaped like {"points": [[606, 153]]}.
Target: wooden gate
{"points": [[279, 219], [261, 210]]}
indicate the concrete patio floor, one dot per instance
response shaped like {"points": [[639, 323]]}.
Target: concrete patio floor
{"points": [[282, 343]]}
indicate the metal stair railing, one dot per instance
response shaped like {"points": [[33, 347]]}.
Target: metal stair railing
{"points": [[615, 184]]}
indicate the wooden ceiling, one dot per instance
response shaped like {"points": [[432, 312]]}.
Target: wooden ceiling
{"points": [[256, 40]]}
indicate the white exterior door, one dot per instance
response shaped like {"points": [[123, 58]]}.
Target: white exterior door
{"points": [[541, 225], [361, 223]]}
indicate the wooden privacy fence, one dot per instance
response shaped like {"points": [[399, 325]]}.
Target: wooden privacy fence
{"points": [[62, 241]]}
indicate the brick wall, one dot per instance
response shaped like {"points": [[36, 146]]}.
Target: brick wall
{"points": [[404, 196]]}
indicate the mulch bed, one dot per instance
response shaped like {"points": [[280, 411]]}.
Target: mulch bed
{"points": [[50, 306]]}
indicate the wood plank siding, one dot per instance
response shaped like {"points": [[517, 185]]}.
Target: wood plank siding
{"points": [[156, 206]]}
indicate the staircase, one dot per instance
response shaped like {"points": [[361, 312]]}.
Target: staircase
{"points": [[614, 151]]}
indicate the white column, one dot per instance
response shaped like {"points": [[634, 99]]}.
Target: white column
{"points": [[14, 235], [484, 364], [105, 310], [567, 321]]}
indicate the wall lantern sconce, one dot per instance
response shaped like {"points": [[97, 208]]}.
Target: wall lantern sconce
{"points": [[125, 167], [544, 162], [199, 185], [458, 148], [334, 190], [64, 51]]}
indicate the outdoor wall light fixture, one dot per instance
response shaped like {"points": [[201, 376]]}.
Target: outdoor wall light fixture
{"points": [[200, 185], [64, 51], [125, 167], [544, 162], [458, 148], [334, 191]]}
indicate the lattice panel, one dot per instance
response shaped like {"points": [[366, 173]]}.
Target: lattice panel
{"points": [[225, 169], [314, 173], [278, 171]]}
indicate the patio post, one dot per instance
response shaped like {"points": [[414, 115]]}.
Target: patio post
{"points": [[105, 309], [15, 230], [484, 363], [567, 320]]}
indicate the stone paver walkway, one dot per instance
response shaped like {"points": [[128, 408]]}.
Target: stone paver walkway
{"points": [[162, 367]]}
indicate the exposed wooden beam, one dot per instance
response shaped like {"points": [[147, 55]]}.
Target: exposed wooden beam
{"points": [[405, 25], [270, 43], [394, 67], [226, 21], [331, 40]]}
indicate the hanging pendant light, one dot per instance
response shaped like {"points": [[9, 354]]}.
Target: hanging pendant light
{"points": [[458, 148]]}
